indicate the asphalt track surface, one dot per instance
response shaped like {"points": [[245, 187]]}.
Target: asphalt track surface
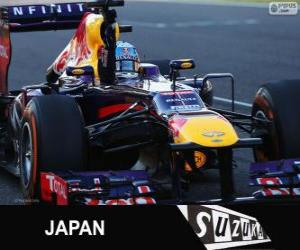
{"points": [[245, 41]]}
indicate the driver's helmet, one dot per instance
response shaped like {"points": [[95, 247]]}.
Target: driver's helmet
{"points": [[127, 61]]}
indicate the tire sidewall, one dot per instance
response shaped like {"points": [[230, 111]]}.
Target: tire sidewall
{"points": [[59, 140], [270, 150], [31, 191]]}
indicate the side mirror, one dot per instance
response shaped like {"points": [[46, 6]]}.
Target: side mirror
{"points": [[80, 71], [182, 64]]}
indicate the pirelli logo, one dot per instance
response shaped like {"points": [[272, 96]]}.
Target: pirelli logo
{"points": [[219, 227]]}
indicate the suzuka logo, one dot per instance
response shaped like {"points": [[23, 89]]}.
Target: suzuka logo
{"points": [[218, 227]]}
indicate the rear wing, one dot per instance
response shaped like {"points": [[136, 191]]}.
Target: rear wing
{"points": [[41, 15], [50, 15], [45, 17]]}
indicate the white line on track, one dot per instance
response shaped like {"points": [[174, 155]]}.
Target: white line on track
{"points": [[200, 23], [208, 2], [243, 104]]}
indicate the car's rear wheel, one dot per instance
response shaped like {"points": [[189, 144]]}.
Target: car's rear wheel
{"points": [[278, 102], [52, 138]]}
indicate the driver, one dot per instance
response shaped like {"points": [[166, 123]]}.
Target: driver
{"points": [[127, 63]]}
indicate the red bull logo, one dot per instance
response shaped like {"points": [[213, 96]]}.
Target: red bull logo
{"points": [[76, 51]]}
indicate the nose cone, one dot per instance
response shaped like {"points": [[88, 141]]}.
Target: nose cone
{"points": [[208, 130]]}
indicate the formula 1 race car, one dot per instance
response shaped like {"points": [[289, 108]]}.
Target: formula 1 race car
{"points": [[107, 128]]}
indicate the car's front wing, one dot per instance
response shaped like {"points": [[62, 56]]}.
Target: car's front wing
{"points": [[97, 188]]}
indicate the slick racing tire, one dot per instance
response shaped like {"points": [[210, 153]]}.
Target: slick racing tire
{"points": [[279, 103], [164, 65], [52, 138]]}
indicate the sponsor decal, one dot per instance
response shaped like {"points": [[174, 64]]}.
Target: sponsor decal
{"points": [[75, 227], [213, 134], [52, 184], [127, 54], [44, 11], [186, 65], [218, 227], [78, 72], [185, 107], [216, 140], [183, 92], [126, 51], [283, 8], [121, 202], [187, 99]]}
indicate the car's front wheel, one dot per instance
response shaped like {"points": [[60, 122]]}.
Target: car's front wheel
{"points": [[52, 138], [278, 102]]}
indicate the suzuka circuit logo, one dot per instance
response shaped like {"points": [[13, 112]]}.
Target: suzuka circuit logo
{"points": [[218, 227]]}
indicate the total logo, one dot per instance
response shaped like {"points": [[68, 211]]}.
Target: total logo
{"points": [[56, 186], [3, 52], [219, 227]]}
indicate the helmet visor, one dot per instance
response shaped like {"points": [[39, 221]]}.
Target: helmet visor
{"points": [[127, 66]]}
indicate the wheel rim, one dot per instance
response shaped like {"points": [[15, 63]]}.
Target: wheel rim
{"points": [[260, 114], [266, 152], [26, 154]]}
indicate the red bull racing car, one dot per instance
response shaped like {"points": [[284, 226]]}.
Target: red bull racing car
{"points": [[107, 128]]}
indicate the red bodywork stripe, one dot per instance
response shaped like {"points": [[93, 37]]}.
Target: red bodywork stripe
{"points": [[176, 123], [113, 109]]}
